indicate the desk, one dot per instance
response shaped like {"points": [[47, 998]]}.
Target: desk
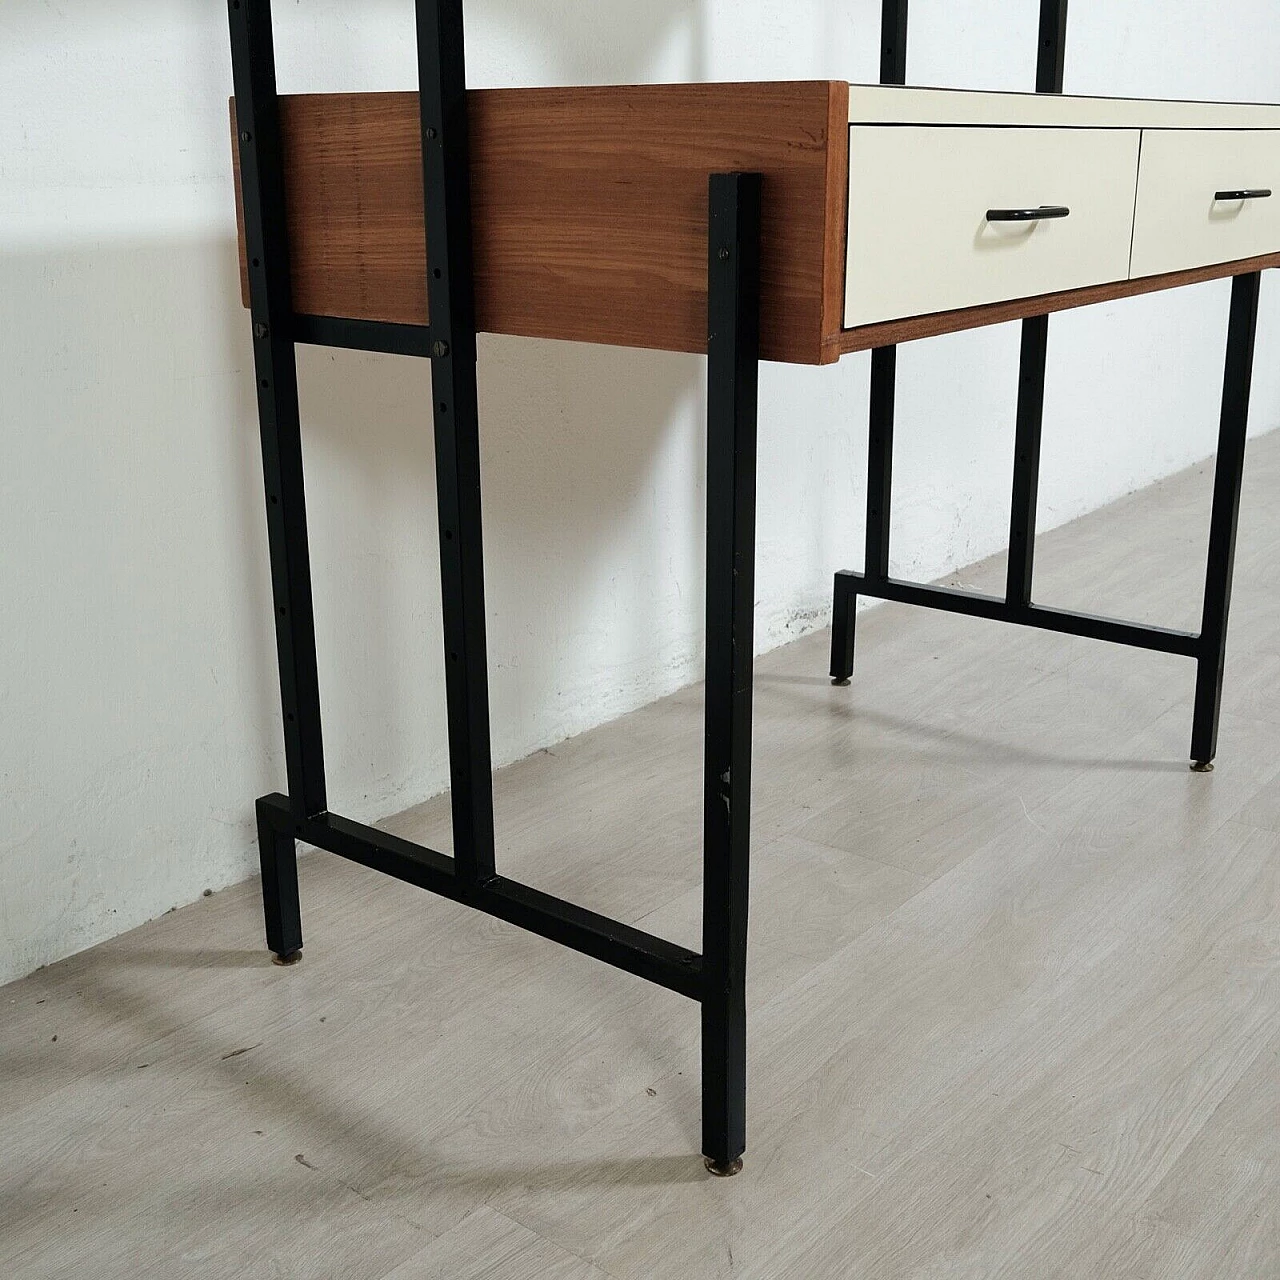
{"points": [[791, 222], [590, 207]]}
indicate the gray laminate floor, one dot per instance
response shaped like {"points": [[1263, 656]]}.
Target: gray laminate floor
{"points": [[1015, 991]]}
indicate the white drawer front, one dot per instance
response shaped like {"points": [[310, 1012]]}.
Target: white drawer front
{"points": [[1179, 223], [919, 238]]}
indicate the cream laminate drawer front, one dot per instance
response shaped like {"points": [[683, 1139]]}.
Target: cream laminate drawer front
{"points": [[1179, 224], [919, 239]]}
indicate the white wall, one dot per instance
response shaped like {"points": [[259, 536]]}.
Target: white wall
{"points": [[137, 685]]}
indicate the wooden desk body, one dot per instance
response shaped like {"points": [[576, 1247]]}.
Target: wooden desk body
{"points": [[590, 207]]}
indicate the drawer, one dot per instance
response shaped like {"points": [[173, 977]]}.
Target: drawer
{"points": [[919, 237], [1179, 223]]}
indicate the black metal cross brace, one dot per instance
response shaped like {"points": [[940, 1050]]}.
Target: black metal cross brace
{"points": [[716, 979], [1208, 646]]}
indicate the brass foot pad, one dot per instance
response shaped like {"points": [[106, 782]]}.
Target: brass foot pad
{"points": [[723, 1170]]}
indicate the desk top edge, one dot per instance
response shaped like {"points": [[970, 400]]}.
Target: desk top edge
{"points": [[929, 105]]}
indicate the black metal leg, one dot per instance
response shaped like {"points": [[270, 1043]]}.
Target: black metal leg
{"points": [[844, 614], [1223, 522], [1026, 460], [267, 242], [732, 383], [279, 854], [451, 298], [843, 625], [884, 387]]}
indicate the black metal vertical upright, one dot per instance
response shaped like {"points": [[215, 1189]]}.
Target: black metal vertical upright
{"points": [[884, 389], [446, 173], [1228, 477], [271, 304], [733, 352], [1032, 364], [893, 42], [884, 360], [884, 381], [278, 852]]}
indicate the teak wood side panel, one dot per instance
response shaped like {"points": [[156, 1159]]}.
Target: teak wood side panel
{"points": [[589, 209]]}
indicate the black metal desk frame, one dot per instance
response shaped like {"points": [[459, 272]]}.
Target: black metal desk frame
{"points": [[716, 978], [1208, 646]]}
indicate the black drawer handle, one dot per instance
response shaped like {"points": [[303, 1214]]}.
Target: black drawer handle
{"points": [[1251, 193], [1028, 215]]}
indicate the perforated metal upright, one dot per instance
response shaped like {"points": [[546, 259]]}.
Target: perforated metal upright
{"points": [[716, 978], [1208, 646]]}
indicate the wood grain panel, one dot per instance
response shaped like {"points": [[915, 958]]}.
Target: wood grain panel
{"points": [[896, 331], [589, 209]]}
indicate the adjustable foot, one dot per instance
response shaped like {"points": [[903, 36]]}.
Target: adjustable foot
{"points": [[723, 1168], [841, 683], [1202, 766], [290, 959]]}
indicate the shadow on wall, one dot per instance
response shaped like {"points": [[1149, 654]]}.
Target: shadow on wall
{"points": [[140, 690], [588, 42]]}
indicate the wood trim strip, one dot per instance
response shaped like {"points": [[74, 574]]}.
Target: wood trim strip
{"points": [[893, 332]]}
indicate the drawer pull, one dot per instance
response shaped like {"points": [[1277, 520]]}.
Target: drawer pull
{"points": [[1252, 193], [1029, 215]]}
